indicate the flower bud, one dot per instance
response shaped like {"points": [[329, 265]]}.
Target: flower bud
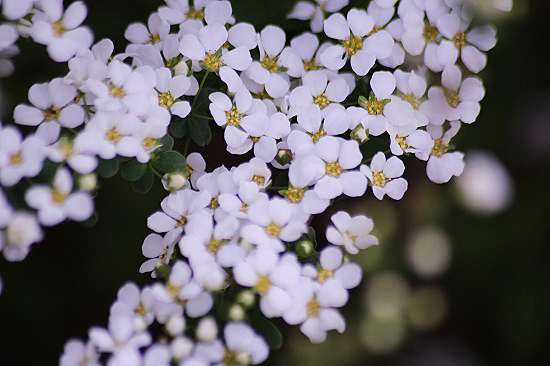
{"points": [[243, 358], [207, 330], [181, 68], [236, 313], [284, 156], [87, 182], [174, 181], [246, 298], [181, 347], [175, 325], [304, 248], [359, 134]]}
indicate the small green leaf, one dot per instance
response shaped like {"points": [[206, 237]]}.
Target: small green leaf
{"points": [[133, 170], [108, 168], [200, 108], [312, 235], [363, 102], [169, 161], [145, 183], [178, 127], [166, 143], [268, 330], [200, 131]]}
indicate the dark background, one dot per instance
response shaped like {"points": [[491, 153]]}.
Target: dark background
{"points": [[497, 284]]}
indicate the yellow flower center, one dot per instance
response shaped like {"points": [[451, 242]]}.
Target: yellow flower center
{"points": [[412, 100], [173, 290], [263, 95], [149, 143], [313, 307], [321, 100], [375, 107], [317, 135], [244, 208], [270, 64], [439, 148], [334, 169], [430, 33], [181, 221], [140, 310], [402, 141], [263, 284], [453, 98], [254, 139], [57, 196], [116, 91], [16, 159], [353, 45], [233, 117], [310, 66], [166, 100], [295, 195], [154, 38], [214, 246], [229, 358], [195, 14], [459, 40], [379, 179], [52, 114], [214, 204], [113, 135], [273, 230], [375, 30], [58, 28], [324, 275], [259, 179], [213, 63], [67, 149]]}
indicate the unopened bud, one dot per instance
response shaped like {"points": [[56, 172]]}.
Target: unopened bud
{"points": [[246, 298], [175, 325], [207, 331], [174, 181], [181, 347], [284, 156], [304, 248], [236, 313], [359, 134], [181, 68], [87, 182], [243, 358]]}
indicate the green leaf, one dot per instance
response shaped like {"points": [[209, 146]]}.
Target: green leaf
{"points": [[268, 330], [169, 161], [133, 170], [145, 183], [47, 174], [108, 168], [178, 127], [166, 143], [363, 102], [312, 235], [281, 180], [200, 131], [200, 108]]}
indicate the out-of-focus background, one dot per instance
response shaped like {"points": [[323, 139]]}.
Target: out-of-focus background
{"points": [[460, 277]]}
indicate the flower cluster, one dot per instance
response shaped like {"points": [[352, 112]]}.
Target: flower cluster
{"points": [[233, 247]]}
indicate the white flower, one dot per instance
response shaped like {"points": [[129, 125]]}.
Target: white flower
{"points": [[443, 165], [313, 306], [271, 223], [208, 47], [230, 204], [6, 211], [413, 87], [159, 249], [306, 47], [56, 203], [419, 142], [16, 9], [242, 119], [170, 89], [301, 174], [271, 276], [76, 353], [20, 234], [195, 167], [333, 265], [254, 171], [154, 34], [304, 10], [384, 176], [358, 44], [120, 335], [61, 31], [64, 150], [317, 91], [177, 209], [268, 71], [19, 158], [134, 303], [339, 157], [143, 141], [467, 44], [351, 232]]}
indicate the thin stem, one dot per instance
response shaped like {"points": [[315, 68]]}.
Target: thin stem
{"points": [[202, 117], [155, 171], [200, 88]]}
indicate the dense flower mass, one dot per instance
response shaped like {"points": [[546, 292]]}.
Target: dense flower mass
{"points": [[305, 120]]}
